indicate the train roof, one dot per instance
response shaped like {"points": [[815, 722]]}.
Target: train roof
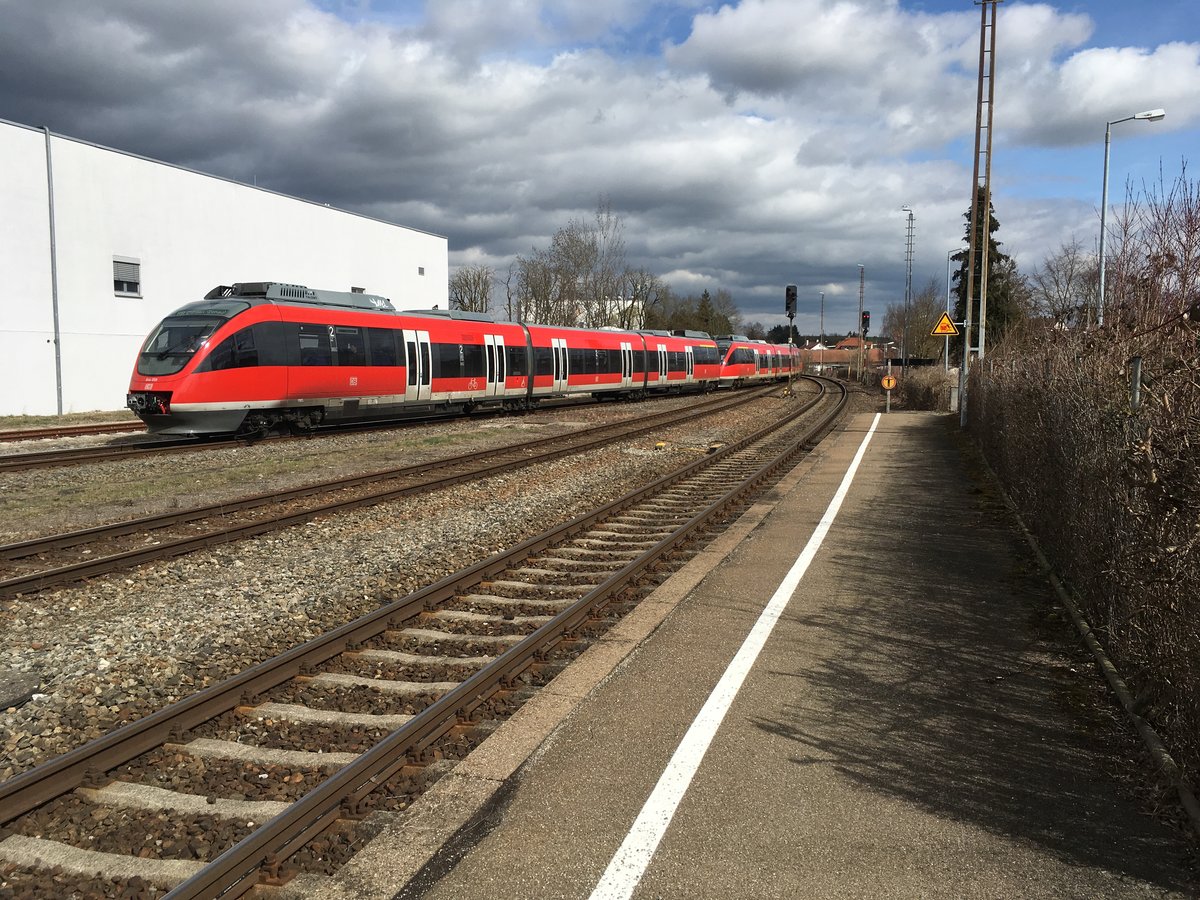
{"points": [[461, 314], [662, 332], [274, 291]]}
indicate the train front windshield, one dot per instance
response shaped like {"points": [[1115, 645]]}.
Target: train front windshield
{"points": [[181, 334]]}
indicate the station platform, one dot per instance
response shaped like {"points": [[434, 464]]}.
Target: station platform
{"points": [[863, 689]]}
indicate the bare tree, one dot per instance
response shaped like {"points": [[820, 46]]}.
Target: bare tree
{"points": [[756, 332], [582, 277], [471, 288], [1063, 285], [727, 318], [639, 291], [513, 311], [911, 329], [1153, 269]]}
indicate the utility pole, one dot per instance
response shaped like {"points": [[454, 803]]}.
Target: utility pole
{"points": [[981, 193], [908, 256]]}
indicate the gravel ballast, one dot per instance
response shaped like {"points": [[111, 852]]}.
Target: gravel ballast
{"points": [[115, 648]]}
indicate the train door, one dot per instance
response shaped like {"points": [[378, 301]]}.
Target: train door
{"points": [[420, 366], [494, 351], [561, 364], [690, 363], [626, 364], [662, 365]]}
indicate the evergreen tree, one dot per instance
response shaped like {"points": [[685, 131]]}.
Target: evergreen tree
{"points": [[1007, 292], [779, 335], [704, 312]]}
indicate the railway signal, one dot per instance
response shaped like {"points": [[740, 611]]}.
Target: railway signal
{"points": [[866, 321], [789, 306]]}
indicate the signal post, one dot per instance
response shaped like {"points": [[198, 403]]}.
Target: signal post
{"points": [[789, 306]]}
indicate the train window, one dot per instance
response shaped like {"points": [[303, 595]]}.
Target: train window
{"points": [[578, 360], [472, 360], [171, 346], [235, 352], [315, 349], [271, 341], [351, 350], [446, 363], [411, 347], [615, 362], [517, 360], [543, 361], [382, 342]]}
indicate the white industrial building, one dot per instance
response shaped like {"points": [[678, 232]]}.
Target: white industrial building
{"points": [[100, 244]]}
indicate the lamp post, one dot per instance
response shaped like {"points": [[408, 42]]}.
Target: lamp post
{"points": [[821, 363], [908, 254], [1151, 115], [862, 335]]}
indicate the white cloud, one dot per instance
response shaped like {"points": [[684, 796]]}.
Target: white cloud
{"points": [[771, 141]]}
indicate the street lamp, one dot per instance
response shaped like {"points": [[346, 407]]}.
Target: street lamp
{"points": [[821, 363], [862, 336], [1152, 115]]}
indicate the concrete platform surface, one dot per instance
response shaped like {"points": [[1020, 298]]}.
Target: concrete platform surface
{"points": [[910, 727]]}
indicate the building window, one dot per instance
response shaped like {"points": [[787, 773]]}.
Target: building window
{"points": [[127, 276], [420, 270]]}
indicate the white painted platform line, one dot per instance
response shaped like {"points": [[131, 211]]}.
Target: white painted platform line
{"points": [[630, 862]]}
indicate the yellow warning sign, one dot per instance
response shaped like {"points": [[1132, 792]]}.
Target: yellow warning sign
{"points": [[944, 327], [888, 382]]}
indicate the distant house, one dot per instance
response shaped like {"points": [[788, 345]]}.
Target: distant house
{"points": [[101, 244], [841, 358]]}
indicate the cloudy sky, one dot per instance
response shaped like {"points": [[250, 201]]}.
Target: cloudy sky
{"points": [[745, 145]]}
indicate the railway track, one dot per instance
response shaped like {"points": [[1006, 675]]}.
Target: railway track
{"points": [[76, 456], [266, 777], [151, 445], [39, 563], [62, 431]]}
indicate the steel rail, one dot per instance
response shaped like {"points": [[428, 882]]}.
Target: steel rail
{"points": [[234, 872], [528, 451], [34, 546], [18, 462], [64, 773], [48, 459], [33, 434]]}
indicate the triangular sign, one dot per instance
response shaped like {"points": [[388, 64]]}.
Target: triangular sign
{"points": [[944, 326]]}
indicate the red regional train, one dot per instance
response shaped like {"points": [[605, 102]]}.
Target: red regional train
{"points": [[253, 357], [744, 361]]}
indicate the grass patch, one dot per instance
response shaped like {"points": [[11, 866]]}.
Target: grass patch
{"points": [[13, 423]]}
